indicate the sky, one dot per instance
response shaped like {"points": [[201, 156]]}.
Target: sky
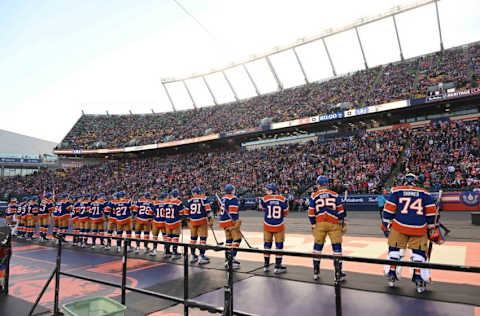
{"points": [[60, 57]]}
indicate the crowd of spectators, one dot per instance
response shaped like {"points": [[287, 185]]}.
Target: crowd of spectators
{"points": [[396, 81], [474, 63], [360, 163], [444, 155], [450, 66]]}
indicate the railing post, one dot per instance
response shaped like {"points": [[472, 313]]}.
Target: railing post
{"points": [[124, 269], [7, 271], [185, 280], [338, 293], [228, 302], [57, 275]]}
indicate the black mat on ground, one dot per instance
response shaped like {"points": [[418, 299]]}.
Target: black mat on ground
{"points": [[200, 283], [438, 291], [11, 305], [215, 263]]}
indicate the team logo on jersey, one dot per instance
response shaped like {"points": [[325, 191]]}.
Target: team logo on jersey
{"points": [[469, 198]]}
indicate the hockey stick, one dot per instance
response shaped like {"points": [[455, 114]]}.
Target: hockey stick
{"points": [[430, 243], [213, 232], [246, 241], [215, 237]]}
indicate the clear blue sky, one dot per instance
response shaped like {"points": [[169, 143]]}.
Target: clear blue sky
{"points": [[58, 57]]}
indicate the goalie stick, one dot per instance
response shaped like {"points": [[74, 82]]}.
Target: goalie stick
{"points": [[246, 241], [430, 243]]}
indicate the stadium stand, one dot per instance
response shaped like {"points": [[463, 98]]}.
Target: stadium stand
{"points": [[415, 77], [445, 155], [361, 162]]}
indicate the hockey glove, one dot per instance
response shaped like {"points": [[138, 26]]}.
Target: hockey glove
{"points": [[436, 236], [344, 227], [385, 229], [210, 222]]}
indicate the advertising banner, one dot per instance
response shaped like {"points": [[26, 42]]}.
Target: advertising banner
{"points": [[138, 148], [188, 141], [392, 105], [330, 116], [418, 101], [237, 132], [460, 201], [453, 95], [349, 113], [361, 202], [361, 111], [20, 160]]}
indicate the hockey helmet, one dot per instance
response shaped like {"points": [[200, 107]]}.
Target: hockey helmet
{"points": [[410, 178], [196, 190], [174, 193], [322, 180], [271, 187], [229, 188], [162, 196]]}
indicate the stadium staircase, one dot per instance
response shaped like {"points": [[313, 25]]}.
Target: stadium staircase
{"points": [[398, 166], [375, 83], [418, 76], [469, 65]]}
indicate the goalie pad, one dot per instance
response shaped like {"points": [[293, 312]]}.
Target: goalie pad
{"points": [[394, 255], [424, 273]]}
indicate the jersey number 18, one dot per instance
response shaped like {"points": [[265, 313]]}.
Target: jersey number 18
{"points": [[274, 211]]}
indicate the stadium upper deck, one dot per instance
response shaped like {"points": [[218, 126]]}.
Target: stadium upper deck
{"points": [[457, 68], [454, 69]]}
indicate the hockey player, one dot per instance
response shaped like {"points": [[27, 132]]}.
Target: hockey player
{"points": [[62, 214], [97, 218], [408, 220], [230, 222], [21, 217], [276, 209], [32, 213], [326, 215], [12, 209], [143, 221], [122, 208], [83, 218], [47, 206], [158, 223], [111, 220], [74, 218], [200, 212], [174, 211]]}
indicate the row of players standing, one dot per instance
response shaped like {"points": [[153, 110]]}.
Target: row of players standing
{"points": [[409, 219]]}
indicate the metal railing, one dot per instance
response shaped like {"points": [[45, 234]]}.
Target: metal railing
{"points": [[227, 309]]}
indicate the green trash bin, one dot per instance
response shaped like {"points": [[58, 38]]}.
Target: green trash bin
{"points": [[94, 306]]}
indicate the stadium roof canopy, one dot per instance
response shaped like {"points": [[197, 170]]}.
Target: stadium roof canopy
{"points": [[291, 65]]}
